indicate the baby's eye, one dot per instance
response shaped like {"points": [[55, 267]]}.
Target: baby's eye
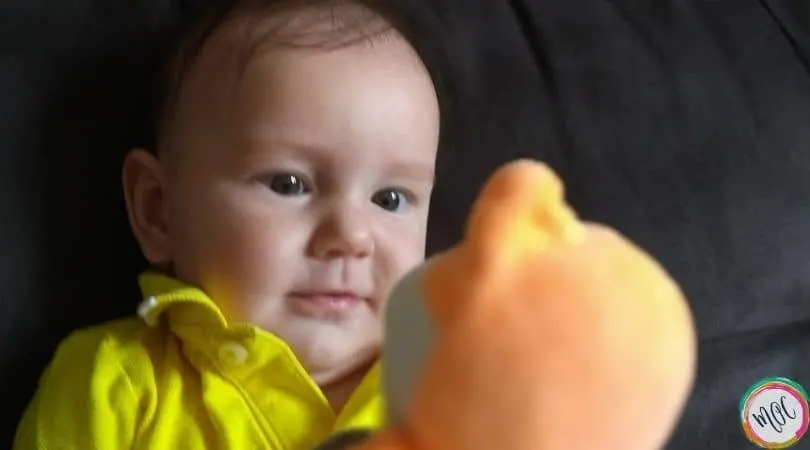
{"points": [[287, 184], [390, 199]]}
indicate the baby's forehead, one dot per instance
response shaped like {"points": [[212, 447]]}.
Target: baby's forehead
{"points": [[211, 62]]}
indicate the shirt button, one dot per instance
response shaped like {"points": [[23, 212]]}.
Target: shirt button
{"points": [[233, 354]]}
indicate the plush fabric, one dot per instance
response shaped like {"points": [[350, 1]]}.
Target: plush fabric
{"points": [[684, 124]]}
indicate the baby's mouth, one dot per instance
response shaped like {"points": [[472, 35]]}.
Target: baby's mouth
{"points": [[324, 304]]}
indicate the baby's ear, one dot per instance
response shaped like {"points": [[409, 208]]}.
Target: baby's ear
{"points": [[143, 183]]}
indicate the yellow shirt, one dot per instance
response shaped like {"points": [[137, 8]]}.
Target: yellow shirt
{"points": [[180, 377]]}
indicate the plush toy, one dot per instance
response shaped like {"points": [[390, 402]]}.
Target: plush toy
{"points": [[536, 332]]}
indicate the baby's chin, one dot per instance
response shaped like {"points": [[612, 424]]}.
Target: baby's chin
{"points": [[330, 350]]}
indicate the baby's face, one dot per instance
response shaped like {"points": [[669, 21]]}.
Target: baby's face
{"points": [[298, 194]]}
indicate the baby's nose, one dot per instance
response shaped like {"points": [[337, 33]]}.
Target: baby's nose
{"points": [[343, 233]]}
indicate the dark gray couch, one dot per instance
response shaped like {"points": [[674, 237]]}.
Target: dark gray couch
{"points": [[685, 124]]}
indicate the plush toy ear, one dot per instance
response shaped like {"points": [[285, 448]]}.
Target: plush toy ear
{"points": [[521, 211]]}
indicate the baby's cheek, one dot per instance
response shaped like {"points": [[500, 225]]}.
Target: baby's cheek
{"points": [[244, 261], [401, 244], [261, 249]]}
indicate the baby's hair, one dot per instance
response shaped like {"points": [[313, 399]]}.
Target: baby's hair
{"points": [[320, 24]]}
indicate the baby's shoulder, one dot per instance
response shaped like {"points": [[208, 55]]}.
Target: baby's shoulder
{"points": [[123, 337], [99, 388], [125, 346]]}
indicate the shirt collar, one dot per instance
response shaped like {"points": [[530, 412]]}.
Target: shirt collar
{"points": [[168, 296], [194, 317]]}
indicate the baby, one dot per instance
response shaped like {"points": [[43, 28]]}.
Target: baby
{"points": [[288, 192]]}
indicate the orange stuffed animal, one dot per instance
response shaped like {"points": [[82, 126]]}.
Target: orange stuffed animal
{"points": [[536, 332]]}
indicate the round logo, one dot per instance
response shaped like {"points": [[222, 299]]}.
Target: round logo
{"points": [[775, 413]]}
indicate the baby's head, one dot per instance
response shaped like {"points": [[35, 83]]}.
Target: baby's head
{"points": [[293, 173]]}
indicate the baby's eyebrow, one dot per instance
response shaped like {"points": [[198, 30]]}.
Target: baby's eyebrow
{"points": [[416, 170]]}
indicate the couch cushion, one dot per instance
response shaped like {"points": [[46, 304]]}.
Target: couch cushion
{"points": [[74, 83]]}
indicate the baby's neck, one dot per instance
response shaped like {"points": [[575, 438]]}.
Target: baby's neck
{"points": [[340, 390]]}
